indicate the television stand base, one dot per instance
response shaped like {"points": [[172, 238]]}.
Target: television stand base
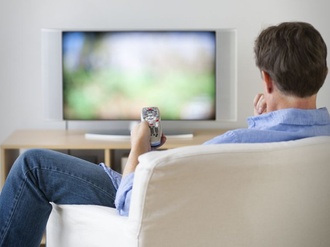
{"points": [[124, 135]]}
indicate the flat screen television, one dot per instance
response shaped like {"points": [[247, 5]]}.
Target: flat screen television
{"points": [[112, 75], [109, 75]]}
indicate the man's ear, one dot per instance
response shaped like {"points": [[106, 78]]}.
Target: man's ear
{"points": [[268, 82]]}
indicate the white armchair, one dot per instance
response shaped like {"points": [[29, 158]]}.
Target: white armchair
{"points": [[271, 194]]}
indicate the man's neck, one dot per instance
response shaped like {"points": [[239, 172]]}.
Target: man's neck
{"points": [[284, 102]]}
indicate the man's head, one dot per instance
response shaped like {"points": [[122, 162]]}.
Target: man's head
{"points": [[294, 55]]}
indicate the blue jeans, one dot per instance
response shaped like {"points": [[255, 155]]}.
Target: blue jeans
{"points": [[39, 177]]}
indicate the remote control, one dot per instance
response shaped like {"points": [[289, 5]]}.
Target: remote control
{"points": [[152, 116]]}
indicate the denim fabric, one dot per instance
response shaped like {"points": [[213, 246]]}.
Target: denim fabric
{"points": [[39, 177]]}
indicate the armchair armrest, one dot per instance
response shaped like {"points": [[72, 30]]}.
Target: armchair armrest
{"points": [[105, 226]]}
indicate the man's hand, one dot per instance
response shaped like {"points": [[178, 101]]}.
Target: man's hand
{"points": [[140, 144], [259, 104], [140, 138]]}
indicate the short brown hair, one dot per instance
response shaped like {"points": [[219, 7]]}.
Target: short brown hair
{"points": [[294, 55]]}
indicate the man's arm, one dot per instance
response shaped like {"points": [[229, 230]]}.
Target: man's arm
{"points": [[140, 144]]}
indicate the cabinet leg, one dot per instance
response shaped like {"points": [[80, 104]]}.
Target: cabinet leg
{"points": [[8, 157], [107, 157]]}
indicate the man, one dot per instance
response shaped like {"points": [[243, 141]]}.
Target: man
{"points": [[292, 62]]}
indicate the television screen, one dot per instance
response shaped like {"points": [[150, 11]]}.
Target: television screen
{"points": [[112, 75]]}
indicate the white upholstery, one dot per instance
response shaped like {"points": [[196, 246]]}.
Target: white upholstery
{"points": [[271, 194]]}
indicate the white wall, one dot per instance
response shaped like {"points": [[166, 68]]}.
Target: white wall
{"points": [[20, 43]]}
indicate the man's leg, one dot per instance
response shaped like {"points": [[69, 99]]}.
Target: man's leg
{"points": [[42, 176]]}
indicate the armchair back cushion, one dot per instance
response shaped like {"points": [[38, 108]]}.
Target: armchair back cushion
{"points": [[270, 194]]}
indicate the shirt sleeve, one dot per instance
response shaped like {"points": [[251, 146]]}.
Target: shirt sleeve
{"points": [[227, 137], [123, 196]]}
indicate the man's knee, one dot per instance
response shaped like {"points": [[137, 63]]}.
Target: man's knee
{"points": [[30, 159]]}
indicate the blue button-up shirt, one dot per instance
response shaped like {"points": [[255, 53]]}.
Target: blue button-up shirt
{"points": [[281, 125]]}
